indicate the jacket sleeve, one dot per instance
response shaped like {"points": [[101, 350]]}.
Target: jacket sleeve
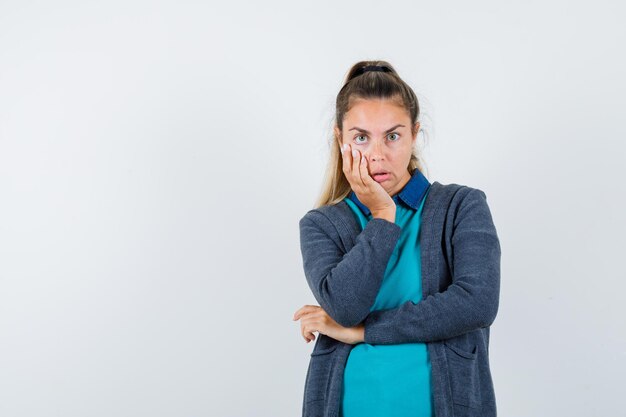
{"points": [[468, 303], [346, 284]]}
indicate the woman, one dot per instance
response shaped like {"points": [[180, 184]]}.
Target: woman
{"points": [[407, 273]]}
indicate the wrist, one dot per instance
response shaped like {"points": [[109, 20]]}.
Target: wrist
{"points": [[359, 334], [387, 214]]}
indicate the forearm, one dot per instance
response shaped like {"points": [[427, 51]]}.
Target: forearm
{"points": [[439, 316], [468, 303], [346, 284]]}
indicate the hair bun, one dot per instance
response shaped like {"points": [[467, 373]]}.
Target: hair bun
{"points": [[366, 68]]}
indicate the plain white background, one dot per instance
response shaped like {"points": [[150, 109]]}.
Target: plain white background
{"points": [[155, 158]]}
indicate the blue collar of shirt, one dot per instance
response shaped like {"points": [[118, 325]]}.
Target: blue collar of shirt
{"points": [[411, 194]]}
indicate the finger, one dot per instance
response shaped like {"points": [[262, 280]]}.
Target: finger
{"points": [[304, 310], [347, 163], [365, 176], [307, 333], [356, 168], [298, 312]]}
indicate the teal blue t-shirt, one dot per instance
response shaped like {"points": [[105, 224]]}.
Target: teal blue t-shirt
{"points": [[392, 380]]}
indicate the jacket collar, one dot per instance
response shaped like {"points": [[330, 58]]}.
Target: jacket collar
{"points": [[411, 194]]}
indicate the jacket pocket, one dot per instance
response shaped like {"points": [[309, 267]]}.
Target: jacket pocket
{"points": [[464, 375], [323, 351], [320, 371]]}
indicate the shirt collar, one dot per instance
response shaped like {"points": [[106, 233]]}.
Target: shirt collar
{"points": [[411, 194]]}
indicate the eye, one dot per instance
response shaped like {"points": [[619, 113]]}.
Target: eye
{"points": [[398, 136], [359, 136]]}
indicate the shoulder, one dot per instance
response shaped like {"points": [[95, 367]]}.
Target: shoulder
{"points": [[455, 194], [335, 221], [325, 216], [468, 210], [457, 203]]}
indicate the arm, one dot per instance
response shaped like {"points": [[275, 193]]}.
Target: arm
{"points": [[469, 303], [346, 284]]}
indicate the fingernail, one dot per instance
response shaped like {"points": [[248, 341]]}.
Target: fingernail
{"points": [[353, 152]]}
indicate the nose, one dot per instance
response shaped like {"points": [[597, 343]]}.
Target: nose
{"points": [[376, 151]]}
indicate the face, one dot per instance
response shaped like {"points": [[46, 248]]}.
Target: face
{"points": [[381, 130]]}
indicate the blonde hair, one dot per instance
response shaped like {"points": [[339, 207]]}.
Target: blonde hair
{"points": [[385, 84]]}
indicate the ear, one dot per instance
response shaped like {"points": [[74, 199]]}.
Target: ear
{"points": [[338, 138], [416, 130]]}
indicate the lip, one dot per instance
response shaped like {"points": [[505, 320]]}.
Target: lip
{"points": [[381, 178]]}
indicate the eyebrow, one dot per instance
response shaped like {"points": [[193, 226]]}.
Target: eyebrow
{"points": [[365, 131]]}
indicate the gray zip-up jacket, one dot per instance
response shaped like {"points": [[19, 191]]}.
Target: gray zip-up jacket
{"points": [[460, 255]]}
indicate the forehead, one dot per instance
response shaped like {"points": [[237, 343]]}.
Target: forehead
{"points": [[375, 112]]}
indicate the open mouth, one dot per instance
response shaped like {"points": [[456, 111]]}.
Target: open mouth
{"points": [[380, 177]]}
